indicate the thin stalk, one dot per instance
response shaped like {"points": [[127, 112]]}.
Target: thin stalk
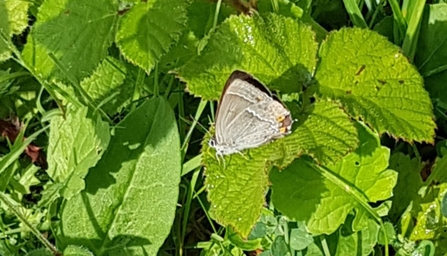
{"points": [[33, 230]]}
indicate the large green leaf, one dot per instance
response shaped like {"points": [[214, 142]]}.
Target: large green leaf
{"points": [[129, 202], [77, 32], [323, 197], [236, 187], [279, 51], [76, 144], [150, 29], [376, 83]]}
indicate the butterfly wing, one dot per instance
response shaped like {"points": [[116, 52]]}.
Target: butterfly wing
{"points": [[240, 92], [260, 123]]}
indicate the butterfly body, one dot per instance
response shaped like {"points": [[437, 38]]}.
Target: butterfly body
{"points": [[248, 116]]}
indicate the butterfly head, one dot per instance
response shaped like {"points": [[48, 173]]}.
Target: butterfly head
{"points": [[221, 149]]}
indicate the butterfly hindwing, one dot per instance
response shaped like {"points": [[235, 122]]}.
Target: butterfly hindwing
{"points": [[248, 115]]}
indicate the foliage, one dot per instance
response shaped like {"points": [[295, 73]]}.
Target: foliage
{"points": [[107, 107]]}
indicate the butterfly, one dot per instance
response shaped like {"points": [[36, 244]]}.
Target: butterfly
{"points": [[248, 116]]}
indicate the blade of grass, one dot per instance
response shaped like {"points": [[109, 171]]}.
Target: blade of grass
{"points": [[33, 230], [14, 75], [156, 82], [400, 26], [216, 14], [85, 97], [354, 13], [138, 84], [187, 207], [18, 58], [181, 115], [199, 112], [192, 164], [412, 33], [18, 148]]}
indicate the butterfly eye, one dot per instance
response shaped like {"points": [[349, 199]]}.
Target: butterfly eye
{"points": [[212, 143]]}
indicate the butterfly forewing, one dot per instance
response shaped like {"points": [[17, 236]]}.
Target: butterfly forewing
{"points": [[248, 115], [240, 92]]}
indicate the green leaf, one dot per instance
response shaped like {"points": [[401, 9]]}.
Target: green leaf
{"points": [[327, 134], [23, 182], [17, 15], [237, 187], [375, 83], [244, 244], [78, 33], [73, 250], [40, 252], [279, 246], [356, 243], [385, 27], [444, 205], [14, 19], [278, 51], [386, 233], [315, 250], [107, 86], [429, 223], [300, 239], [432, 45], [129, 202], [431, 54], [200, 22], [282, 7], [408, 183], [439, 174], [324, 197], [76, 144], [150, 29]]}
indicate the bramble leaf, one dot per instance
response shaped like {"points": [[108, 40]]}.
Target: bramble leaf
{"points": [[279, 51], [150, 29], [77, 33], [327, 134], [376, 83], [236, 188], [324, 197], [5, 52], [14, 19], [17, 15]]}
